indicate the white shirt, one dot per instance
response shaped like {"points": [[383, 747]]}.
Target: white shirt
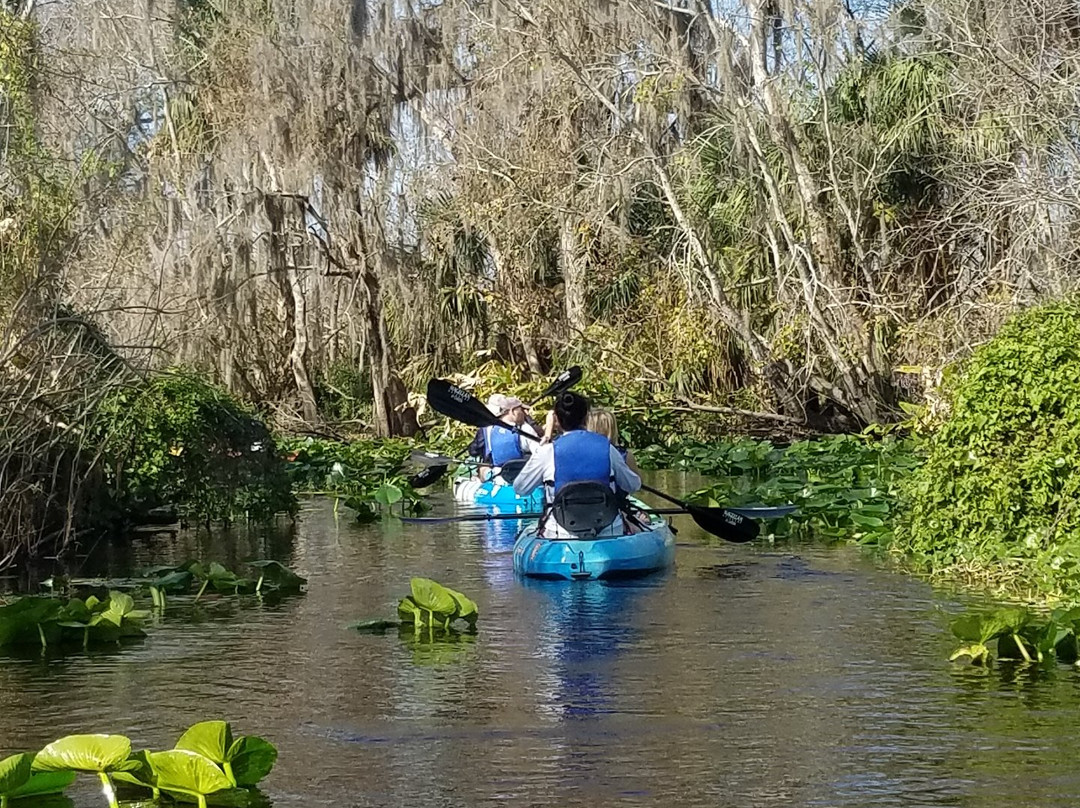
{"points": [[540, 468]]}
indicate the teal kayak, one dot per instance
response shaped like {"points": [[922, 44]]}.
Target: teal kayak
{"points": [[604, 557], [496, 492]]}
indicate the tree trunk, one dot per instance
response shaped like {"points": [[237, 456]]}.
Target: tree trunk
{"points": [[283, 270], [528, 345], [391, 415], [573, 271]]}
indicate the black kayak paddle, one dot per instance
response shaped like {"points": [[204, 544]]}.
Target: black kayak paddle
{"points": [[453, 402], [438, 464], [749, 511]]}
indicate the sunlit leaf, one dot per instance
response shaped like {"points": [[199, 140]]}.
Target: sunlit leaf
{"points": [[181, 769], [212, 739], [433, 597], [87, 753]]}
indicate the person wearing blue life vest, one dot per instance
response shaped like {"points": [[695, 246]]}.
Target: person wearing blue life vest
{"points": [[497, 445], [577, 455]]}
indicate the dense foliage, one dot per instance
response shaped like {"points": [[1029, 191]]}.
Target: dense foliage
{"points": [[1019, 635], [999, 496], [88, 612], [368, 475], [179, 440], [846, 487], [760, 206], [207, 760]]}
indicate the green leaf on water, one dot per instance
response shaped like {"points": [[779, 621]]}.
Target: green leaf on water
{"points": [[279, 575], [176, 581], [466, 608], [15, 771], [212, 739], [410, 612], [18, 620], [186, 771], [139, 772], [388, 494], [433, 597], [251, 759], [85, 753], [41, 784]]}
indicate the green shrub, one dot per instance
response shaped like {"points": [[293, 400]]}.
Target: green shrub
{"points": [[344, 393], [998, 495], [368, 475], [845, 486], [179, 440]]}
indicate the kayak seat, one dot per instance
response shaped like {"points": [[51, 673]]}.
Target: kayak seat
{"points": [[511, 469], [585, 508]]}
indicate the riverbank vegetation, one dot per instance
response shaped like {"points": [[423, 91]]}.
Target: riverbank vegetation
{"points": [[786, 219], [88, 612], [207, 762], [793, 214]]}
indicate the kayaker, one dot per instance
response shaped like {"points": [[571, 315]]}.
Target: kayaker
{"points": [[576, 455], [503, 444], [478, 447], [603, 423]]}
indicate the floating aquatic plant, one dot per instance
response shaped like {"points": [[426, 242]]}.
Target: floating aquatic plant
{"points": [[19, 781], [206, 763], [49, 621], [94, 754], [430, 605], [1018, 635]]}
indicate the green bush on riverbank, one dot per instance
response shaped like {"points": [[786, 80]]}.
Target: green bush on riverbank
{"points": [[998, 500], [179, 440]]}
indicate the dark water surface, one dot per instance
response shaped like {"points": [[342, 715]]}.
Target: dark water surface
{"points": [[747, 676]]}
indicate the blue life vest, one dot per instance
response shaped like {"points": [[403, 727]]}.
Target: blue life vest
{"points": [[582, 456], [503, 445]]}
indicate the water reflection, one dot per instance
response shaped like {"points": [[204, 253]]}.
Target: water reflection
{"points": [[745, 676], [585, 626], [499, 535]]}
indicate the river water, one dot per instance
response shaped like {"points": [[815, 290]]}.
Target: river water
{"points": [[751, 675]]}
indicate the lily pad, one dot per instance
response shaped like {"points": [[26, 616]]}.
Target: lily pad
{"points": [[251, 758], [279, 575], [433, 597], [14, 772], [188, 772], [42, 784], [211, 739], [86, 753]]}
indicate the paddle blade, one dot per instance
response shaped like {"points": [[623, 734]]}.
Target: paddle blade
{"points": [[563, 382], [453, 402], [764, 511], [726, 524], [428, 476], [433, 459]]}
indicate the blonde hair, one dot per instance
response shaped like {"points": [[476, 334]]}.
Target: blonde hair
{"points": [[603, 422]]}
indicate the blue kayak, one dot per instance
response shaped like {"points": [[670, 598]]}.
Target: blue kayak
{"points": [[498, 493], [590, 559]]}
